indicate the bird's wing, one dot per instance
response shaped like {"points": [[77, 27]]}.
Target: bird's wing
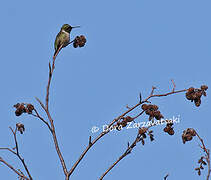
{"points": [[57, 42]]}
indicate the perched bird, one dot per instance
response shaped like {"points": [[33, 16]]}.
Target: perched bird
{"points": [[63, 37]]}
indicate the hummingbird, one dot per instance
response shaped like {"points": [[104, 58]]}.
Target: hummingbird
{"points": [[63, 37]]}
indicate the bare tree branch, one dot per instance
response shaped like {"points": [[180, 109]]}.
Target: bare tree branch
{"points": [[17, 152], [9, 150], [207, 157], [116, 119], [38, 116], [18, 155], [16, 171]]}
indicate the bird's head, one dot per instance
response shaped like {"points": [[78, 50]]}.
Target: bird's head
{"points": [[68, 28]]}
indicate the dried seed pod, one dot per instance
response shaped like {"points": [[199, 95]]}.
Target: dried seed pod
{"points": [[18, 112], [144, 107], [191, 90], [30, 108], [171, 132], [151, 137], [142, 130], [197, 102], [124, 123], [20, 127], [16, 105], [79, 41], [204, 87], [155, 107], [129, 119], [204, 163]]}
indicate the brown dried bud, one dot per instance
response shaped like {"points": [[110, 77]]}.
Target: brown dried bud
{"points": [[124, 123], [192, 131], [191, 90], [144, 107], [158, 115], [171, 132], [197, 102], [20, 127], [188, 134], [18, 112], [169, 124], [155, 107], [151, 137], [200, 160], [166, 129], [79, 41], [199, 172], [129, 119], [142, 130], [16, 105], [20, 108], [204, 93], [30, 108], [189, 96], [204, 163], [148, 112], [151, 107], [204, 87]]}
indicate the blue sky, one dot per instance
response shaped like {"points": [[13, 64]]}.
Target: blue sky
{"points": [[131, 46]]}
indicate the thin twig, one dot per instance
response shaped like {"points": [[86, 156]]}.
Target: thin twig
{"points": [[17, 152], [207, 157], [9, 150], [16, 171], [166, 176], [37, 115], [174, 85], [128, 151], [152, 92]]}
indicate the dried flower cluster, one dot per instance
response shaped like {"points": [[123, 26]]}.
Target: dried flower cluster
{"points": [[188, 135], [169, 129], [194, 94], [142, 132], [124, 122], [20, 127], [201, 163], [79, 41], [23, 108], [152, 111]]}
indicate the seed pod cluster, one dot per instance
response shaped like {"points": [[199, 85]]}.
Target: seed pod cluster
{"points": [[152, 111], [20, 127], [201, 163], [124, 122], [23, 108], [142, 133], [169, 129], [194, 94], [79, 41], [188, 135]]}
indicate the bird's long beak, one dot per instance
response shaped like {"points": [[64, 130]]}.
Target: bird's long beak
{"points": [[76, 26]]}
